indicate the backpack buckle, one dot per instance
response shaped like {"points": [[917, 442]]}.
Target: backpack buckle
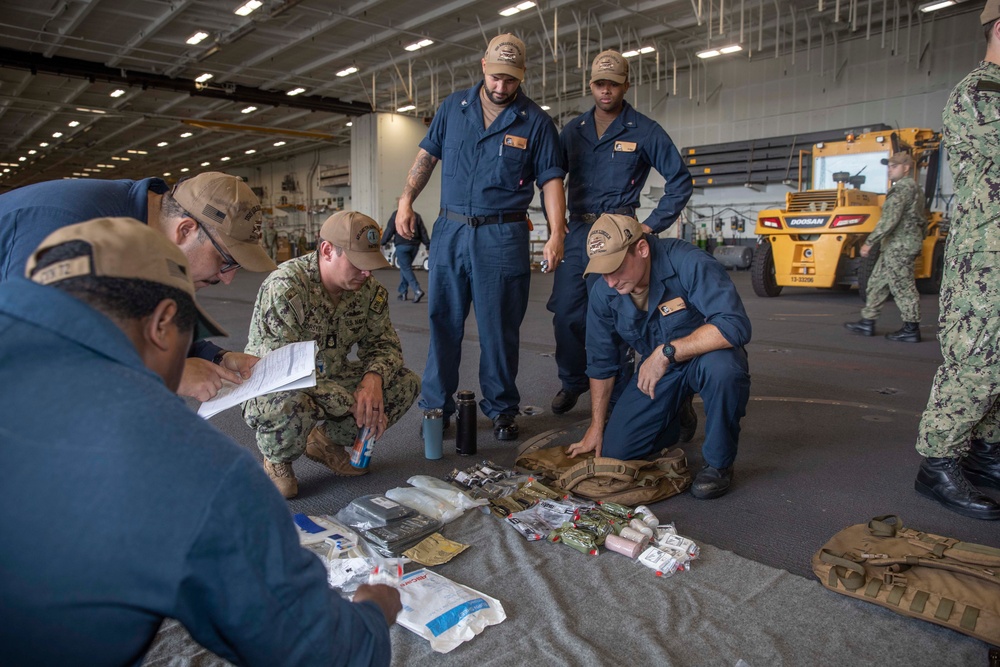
{"points": [[893, 578]]}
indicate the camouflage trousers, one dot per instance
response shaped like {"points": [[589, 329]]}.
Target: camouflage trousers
{"points": [[283, 420], [893, 273], [965, 397]]}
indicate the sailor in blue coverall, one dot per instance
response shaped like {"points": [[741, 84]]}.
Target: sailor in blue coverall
{"points": [[30, 213], [495, 144], [676, 307], [609, 151]]}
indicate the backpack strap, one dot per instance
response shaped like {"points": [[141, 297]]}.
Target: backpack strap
{"points": [[851, 574], [626, 471], [885, 525]]}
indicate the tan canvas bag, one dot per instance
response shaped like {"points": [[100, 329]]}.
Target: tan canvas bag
{"points": [[602, 478], [922, 575]]}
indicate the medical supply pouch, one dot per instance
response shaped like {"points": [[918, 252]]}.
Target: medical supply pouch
{"points": [[936, 579], [602, 478]]}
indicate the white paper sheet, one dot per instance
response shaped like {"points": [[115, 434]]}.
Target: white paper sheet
{"points": [[290, 367]]}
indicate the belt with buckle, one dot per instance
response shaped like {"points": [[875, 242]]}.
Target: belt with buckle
{"points": [[590, 218], [480, 220]]}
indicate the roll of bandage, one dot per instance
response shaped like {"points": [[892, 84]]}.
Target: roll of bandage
{"points": [[622, 546]]}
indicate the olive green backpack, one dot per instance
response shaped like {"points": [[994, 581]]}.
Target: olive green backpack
{"points": [[936, 579]]}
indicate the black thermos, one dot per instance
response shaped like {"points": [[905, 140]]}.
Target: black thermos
{"points": [[465, 436]]}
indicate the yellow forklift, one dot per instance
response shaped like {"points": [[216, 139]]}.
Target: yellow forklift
{"points": [[815, 241]]}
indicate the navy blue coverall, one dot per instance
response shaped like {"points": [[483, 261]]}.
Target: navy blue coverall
{"points": [[640, 426], [481, 251], [606, 175]]}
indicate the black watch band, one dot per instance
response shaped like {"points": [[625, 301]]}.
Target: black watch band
{"points": [[669, 351], [217, 359]]}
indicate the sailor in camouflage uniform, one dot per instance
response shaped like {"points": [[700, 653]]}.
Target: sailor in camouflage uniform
{"points": [[900, 231], [329, 296], [960, 429]]}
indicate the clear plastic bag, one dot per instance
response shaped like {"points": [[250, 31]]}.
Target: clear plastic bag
{"points": [[426, 503], [444, 612], [445, 491]]}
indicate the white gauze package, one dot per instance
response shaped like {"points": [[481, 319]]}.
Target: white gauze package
{"points": [[443, 612]]}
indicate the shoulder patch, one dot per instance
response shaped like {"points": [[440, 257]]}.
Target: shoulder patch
{"points": [[295, 301], [985, 86], [380, 300]]}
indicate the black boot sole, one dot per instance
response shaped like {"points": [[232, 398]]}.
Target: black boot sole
{"points": [[709, 495], [987, 515]]}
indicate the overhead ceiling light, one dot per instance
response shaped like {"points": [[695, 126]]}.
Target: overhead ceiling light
{"points": [[934, 6], [185, 169], [279, 143], [73, 123], [6, 171], [56, 135], [249, 109], [408, 107], [163, 143], [520, 7], [166, 173], [416, 46], [709, 53], [224, 159], [117, 92], [204, 77], [32, 151], [120, 159], [186, 135], [349, 124], [108, 166], [732, 48], [347, 72], [633, 53], [248, 7], [205, 164], [545, 107], [85, 110], [197, 38], [250, 151], [135, 152], [22, 159], [44, 144], [295, 91]]}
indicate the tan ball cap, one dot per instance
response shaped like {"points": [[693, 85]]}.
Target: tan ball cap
{"points": [[227, 207], [608, 241], [121, 248], [609, 65], [991, 12], [505, 55], [899, 158], [359, 236]]}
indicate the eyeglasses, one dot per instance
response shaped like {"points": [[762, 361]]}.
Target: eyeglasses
{"points": [[229, 264]]}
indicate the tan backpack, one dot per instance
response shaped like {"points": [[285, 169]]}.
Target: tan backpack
{"points": [[602, 478], [921, 575]]}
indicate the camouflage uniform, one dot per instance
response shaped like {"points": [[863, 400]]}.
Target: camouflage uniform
{"points": [[964, 403], [900, 231], [293, 306]]}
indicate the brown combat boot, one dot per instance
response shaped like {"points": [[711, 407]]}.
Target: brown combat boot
{"points": [[283, 477], [321, 449]]}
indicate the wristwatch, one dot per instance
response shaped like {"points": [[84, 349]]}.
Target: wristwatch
{"points": [[669, 351]]}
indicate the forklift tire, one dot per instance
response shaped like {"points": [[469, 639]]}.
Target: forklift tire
{"points": [[932, 285], [762, 271], [865, 271]]}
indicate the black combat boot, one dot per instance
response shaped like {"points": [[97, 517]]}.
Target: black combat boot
{"points": [[910, 333], [982, 464], [941, 479], [864, 326]]}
